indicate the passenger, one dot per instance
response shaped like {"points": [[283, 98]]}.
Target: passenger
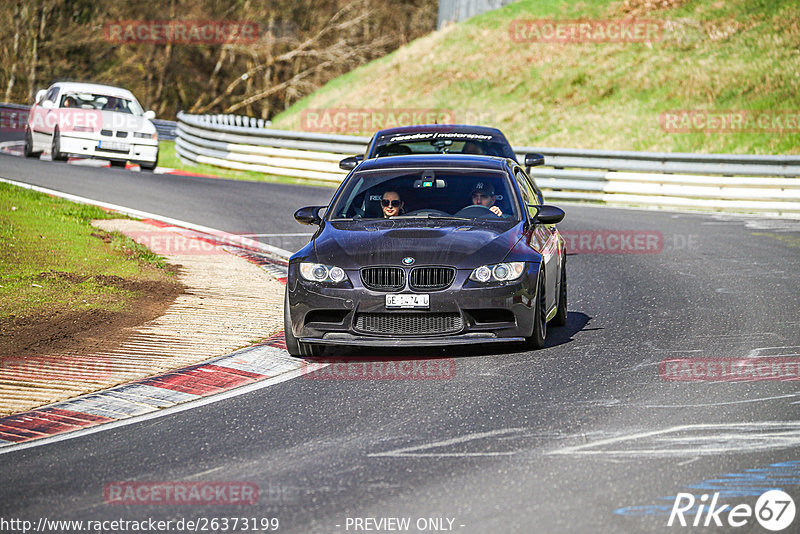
{"points": [[113, 104], [391, 204], [471, 147], [70, 102], [483, 194]]}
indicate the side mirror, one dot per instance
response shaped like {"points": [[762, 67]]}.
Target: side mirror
{"points": [[40, 94], [308, 215], [533, 159], [549, 215], [149, 114], [48, 105], [350, 163]]}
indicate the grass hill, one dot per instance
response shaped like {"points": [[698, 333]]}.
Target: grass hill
{"points": [[713, 55]]}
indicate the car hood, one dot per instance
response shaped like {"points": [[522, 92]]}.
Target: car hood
{"points": [[114, 120], [462, 244]]}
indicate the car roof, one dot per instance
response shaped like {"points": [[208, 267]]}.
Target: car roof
{"points": [[423, 128], [96, 88], [436, 160]]}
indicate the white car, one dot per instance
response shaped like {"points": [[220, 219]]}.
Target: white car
{"points": [[91, 121]]}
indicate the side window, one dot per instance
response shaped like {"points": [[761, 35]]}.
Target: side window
{"points": [[536, 191], [527, 181], [528, 196], [52, 95], [524, 189]]}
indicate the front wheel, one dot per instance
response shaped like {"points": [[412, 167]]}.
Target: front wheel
{"points": [[55, 151], [148, 165], [561, 314], [294, 346], [536, 340], [28, 147]]}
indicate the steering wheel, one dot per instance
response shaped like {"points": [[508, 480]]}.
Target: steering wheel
{"points": [[428, 211], [476, 211]]}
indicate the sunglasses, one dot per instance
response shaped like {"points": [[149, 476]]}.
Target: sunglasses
{"points": [[385, 202]]}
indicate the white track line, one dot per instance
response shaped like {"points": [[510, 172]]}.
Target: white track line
{"points": [[233, 239]]}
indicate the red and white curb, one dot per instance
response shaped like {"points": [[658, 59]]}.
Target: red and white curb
{"points": [[253, 364], [248, 369]]}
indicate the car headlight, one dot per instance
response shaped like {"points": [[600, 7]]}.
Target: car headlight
{"points": [[317, 272], [500, 272], [141, 135]]}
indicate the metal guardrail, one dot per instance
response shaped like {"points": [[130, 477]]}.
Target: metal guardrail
{"points": [[669, 162], [167, 130], [759, 184], [13, 118], [242, 143]]}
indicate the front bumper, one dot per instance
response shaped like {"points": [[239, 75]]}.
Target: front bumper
{"points": [[497, 312], [140, 150]]}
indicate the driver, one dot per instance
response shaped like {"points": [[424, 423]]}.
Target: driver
{"points": [[391, 204], [483, 194]]}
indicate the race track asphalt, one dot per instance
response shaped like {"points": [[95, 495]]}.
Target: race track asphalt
{"points": [[586, 435]]}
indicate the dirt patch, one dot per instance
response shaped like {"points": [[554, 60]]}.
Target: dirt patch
{"points": [[146, 286], [216, 303], [640, 7], [65, 330]]}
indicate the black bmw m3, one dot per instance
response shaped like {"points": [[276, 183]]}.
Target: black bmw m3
{"points": [[428, 250]]}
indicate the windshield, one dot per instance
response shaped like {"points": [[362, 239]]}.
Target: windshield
{"points": [[442, 143], [101, 102], [407, 193]]}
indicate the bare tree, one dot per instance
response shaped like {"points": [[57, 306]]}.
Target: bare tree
{"points": [[302, 45]]}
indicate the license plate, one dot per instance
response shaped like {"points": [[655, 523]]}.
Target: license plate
{"points": [[113, 145], [407, 301]]}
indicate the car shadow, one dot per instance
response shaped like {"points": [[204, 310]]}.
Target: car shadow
{"points": [[576, 322]]}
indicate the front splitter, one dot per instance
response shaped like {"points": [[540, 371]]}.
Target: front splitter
{"points": [[365, 341]]}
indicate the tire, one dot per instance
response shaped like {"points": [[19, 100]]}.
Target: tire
{"points": [[561, 314], [28, 147], [150, 166], [147, 165], [537, 338], [295, 347], [55, 151]]}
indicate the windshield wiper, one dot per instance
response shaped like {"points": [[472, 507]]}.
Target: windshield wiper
{"points": [[431, 216]]}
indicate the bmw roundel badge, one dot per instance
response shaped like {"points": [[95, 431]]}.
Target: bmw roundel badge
{"points": [[408, 260]]}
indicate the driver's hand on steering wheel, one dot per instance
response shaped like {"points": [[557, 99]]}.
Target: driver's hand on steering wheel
{"points": [[497, 211]]}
